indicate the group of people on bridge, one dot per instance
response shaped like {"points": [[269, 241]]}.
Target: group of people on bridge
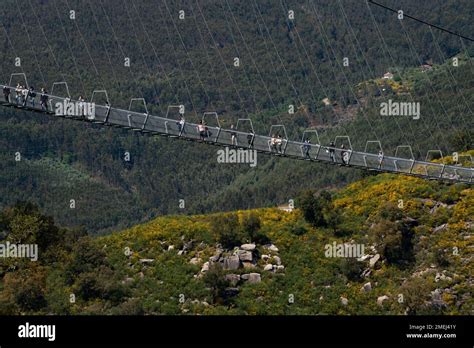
{"points": [[24, 95]]}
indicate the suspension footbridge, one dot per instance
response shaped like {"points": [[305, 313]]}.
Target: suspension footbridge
{"points": [[275, 144]]}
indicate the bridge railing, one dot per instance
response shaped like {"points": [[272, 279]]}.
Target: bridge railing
{"points": [[232, 137]]}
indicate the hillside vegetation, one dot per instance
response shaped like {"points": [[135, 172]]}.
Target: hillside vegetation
{"points": [[191, 62], [417, 237]]}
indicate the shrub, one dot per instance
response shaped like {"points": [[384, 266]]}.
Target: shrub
{"points": [[313, 207], [395, 240], [351, 268], [215, 279], [298, 229], [227, 230]]}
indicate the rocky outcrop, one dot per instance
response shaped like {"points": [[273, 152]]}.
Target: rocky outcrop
{"points": [[231, 262], [245, 255], [248, 247]]}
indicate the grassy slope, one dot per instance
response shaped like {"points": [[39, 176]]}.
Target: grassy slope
{"points": [[309, 275]]}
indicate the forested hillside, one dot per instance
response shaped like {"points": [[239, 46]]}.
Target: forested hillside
{"points": [[189, 58], [417, 258]]}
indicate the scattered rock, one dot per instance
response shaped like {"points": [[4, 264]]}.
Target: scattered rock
{"points": [[188, 245], [344, 301], [248, 247], [268, 267], [440, 228], [441, 276], [127, 280], [437, 206], [436, 298], [145, 261], [231, 262], [205, 267], [215, 258], [366, 288], [280, 267], [423, 272], [245, 255], [366, 273], [248, 264], [381, 299], [277, 260], [171, 247], [374, 260], [254, 278], [265, 257], [365, 257], [273, 248], [195, 260], [233, 279], [181, 252]]}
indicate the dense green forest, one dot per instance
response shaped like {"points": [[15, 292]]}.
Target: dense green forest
{"points": [[191, 61]]}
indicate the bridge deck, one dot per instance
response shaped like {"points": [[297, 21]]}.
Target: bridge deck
{"points": [[292, 149]]}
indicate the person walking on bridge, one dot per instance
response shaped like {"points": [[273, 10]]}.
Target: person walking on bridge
{"points": [[233, 135], [44, 99], [306, 148], [18, 91], [332, 151], [344, 153], [180, 124], [32, 96], [202, 130], [6, 93]]}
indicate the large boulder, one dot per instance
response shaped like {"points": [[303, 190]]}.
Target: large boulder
{"points": [[231, 262], [248, 247], [245, 255], [254, 278]]}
